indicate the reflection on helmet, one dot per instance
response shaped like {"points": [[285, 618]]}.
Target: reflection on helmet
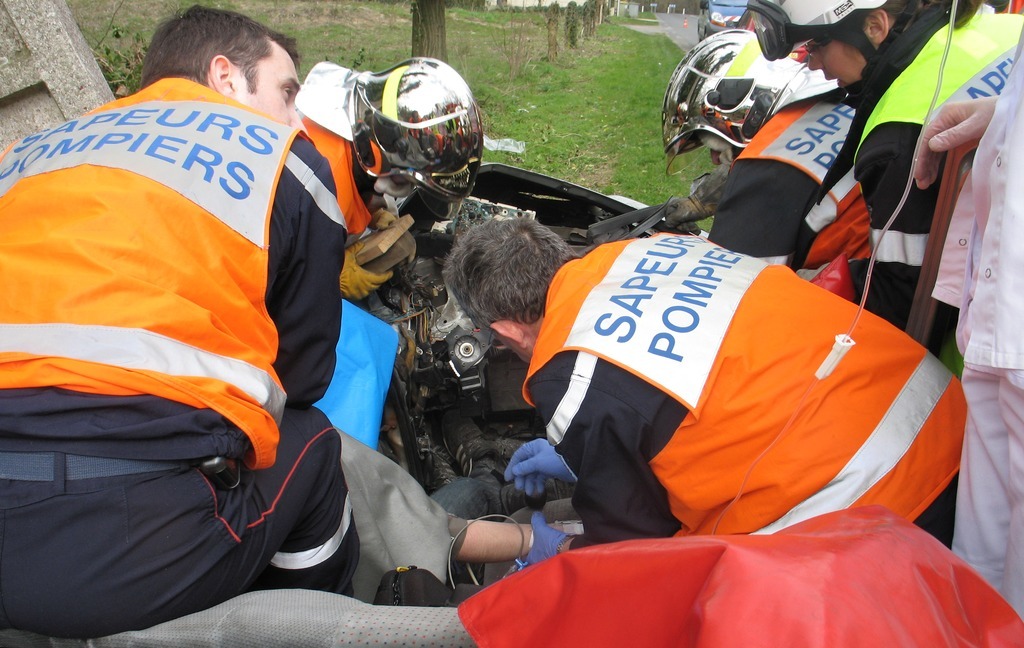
{"points": [[419, 119], [723, 86]]}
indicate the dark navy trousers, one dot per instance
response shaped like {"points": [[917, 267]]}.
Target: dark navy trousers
{"points": [[91, 557]]}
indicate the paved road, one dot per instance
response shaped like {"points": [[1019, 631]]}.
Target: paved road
{"points": [[681, 28], [672, 24]]}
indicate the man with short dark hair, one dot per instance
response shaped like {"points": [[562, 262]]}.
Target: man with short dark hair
{"points": [[171, 314]]}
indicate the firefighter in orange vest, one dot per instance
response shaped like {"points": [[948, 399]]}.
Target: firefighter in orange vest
{"points": [[413, 126], [676, 393], [774, 127], [171, 314]]}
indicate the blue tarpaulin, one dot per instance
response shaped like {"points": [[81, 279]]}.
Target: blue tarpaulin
{"points": [[354, 401]]}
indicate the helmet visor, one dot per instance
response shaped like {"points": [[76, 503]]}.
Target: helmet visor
{"points": [[438, 145], [777, 36], [677, 111], [720, 112], [685, 157], [685, 114], [770, 26]]}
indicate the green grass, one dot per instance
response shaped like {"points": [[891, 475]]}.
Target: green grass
{"points": [[592, 116]]}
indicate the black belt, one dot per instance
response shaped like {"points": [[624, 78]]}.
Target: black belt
{"points": [[42, 466]]}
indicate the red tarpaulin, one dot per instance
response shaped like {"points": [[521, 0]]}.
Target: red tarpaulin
{"points": [[861, 577]]}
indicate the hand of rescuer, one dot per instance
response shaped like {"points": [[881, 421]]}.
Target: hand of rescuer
{"points": [[682, 213], [382, 219], [534, 463], [356, 281], [957, 123], [547, 540]]}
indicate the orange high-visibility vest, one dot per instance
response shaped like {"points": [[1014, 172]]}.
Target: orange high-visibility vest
{"points": [[135, 246], [807, 136], [738, 343], [338, 152]]}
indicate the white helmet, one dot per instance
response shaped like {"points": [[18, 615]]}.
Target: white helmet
{"points": [[325, 97], [420, 121], [781, 25], [724, 87]]}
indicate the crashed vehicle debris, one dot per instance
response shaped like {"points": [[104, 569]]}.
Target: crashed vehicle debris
{"points": [[445, 364]]}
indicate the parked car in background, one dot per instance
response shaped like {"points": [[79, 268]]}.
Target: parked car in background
{"points": [[719, 15]]}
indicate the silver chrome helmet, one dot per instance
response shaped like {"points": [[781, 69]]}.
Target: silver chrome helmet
{"points": [[724, 87], [419, 120]]}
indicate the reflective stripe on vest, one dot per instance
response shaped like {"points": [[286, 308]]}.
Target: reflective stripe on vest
{"points": [[899, 247], [158, 210], [579, 383], [886, 446], [822, 214], [841, 229], [661, 295], [211, 154], [322, 196], [980, 59], [141, 349]]}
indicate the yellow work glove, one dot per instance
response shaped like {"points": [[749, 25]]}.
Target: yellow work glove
{"points": [[382, 219], [356, 281]]}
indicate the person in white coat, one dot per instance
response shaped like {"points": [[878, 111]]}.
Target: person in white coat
{"points": [[989, 532]]}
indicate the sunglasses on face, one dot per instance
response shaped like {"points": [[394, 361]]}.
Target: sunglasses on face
{"points": [[817, 43]]}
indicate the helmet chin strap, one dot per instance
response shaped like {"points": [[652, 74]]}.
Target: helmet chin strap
{"points": [[855, 36]]}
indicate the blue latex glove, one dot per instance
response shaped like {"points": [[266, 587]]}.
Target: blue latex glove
{"points": [[545, 539], [534, 463]]}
